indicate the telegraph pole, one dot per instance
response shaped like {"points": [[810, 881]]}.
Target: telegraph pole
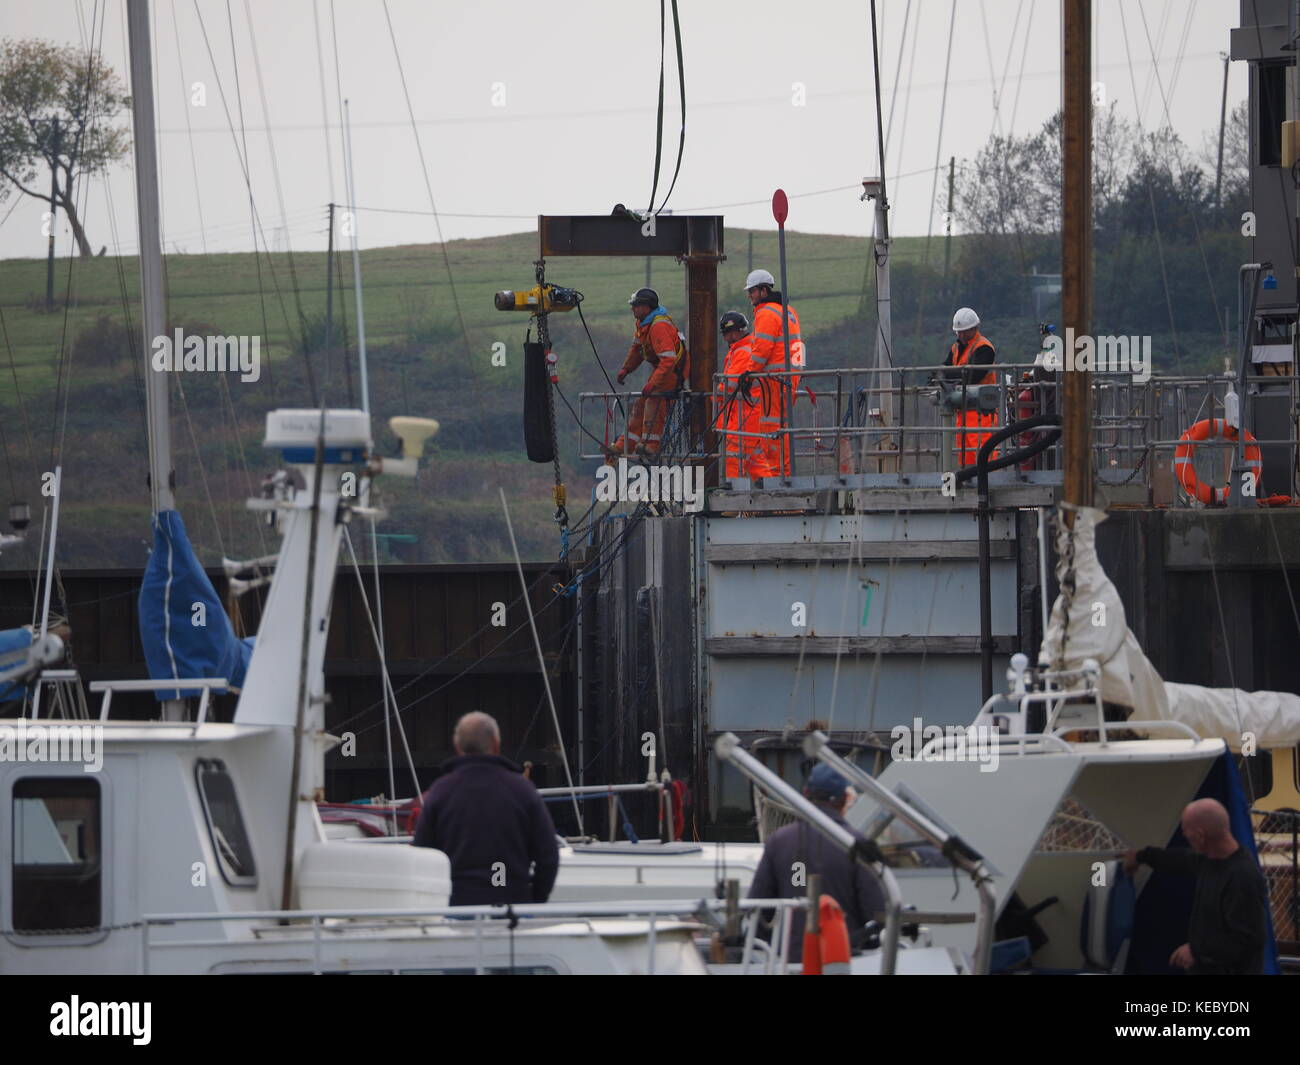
{"points": [[1076, 242], [54, 192], [1223, 119]]}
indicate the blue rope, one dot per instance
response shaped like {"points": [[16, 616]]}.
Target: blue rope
{"points": [[627, 824]]}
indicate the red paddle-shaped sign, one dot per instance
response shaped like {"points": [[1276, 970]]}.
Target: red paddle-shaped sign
{"points": [[780, 207]]}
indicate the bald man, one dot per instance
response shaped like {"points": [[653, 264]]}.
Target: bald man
{"points": [[1229, 925], [490, 821]]}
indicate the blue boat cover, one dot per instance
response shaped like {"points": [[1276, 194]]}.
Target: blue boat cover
{"points": [[179, 638], [12, 643]]}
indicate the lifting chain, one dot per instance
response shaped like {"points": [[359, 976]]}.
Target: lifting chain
{"points": [[544, 338]]}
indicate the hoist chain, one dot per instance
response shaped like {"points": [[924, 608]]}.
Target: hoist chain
{"points": [[544, 338]]}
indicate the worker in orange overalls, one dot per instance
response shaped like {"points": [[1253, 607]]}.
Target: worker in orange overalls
{"points": [[658, 342], [768, 344], [971, 349], [739, 404]]}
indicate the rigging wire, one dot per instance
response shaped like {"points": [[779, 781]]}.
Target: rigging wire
{"points": [[1155, 219], [1191, 211], [324, 107], [258, 227], [189, 128], [934, 189], [476, 387], [383, 669]]}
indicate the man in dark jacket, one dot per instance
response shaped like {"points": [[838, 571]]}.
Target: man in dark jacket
{"points": [[1229, 925], [489, 821], [791, 854]]}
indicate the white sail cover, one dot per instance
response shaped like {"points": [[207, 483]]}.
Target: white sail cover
{"points": [[1090, 623]]}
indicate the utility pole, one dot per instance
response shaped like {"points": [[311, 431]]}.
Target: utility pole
{"points": [[881, 381], [749, 265], [54, 192], [1076, 243], [947, 237], [1223, 118]]}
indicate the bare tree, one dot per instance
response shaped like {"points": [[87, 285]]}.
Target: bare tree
{"points": [[57, 108], [1013, 187]]}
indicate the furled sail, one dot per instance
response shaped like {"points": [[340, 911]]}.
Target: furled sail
{"points": [[183, 627], [13, 652], [1089, 622]]}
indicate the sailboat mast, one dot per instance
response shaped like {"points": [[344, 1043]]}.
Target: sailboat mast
{"points": [[1076, 241], [161, 479]]}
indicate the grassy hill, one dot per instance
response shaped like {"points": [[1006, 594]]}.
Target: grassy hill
{"points": [[74, 378]]}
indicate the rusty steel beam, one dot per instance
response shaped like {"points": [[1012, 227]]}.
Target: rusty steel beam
{"points": [[695, 240], [625, 234], [1076, 241], [702, 258]]}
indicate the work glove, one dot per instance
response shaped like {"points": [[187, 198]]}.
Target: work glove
{"points": [[622, 376]]}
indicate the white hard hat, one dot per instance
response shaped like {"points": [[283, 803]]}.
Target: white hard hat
{"points": [[965, 318], [759, 277]]}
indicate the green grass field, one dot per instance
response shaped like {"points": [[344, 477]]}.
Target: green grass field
{"points": [[407, 291], [86, 409]]}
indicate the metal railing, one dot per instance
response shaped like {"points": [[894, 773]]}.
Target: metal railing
{"points": [[206, 686], [481, 923], [836, 432], [611, 792], [728, 749]]}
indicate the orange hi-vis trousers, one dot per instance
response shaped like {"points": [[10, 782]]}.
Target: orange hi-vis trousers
{"points": [[967, 444]]}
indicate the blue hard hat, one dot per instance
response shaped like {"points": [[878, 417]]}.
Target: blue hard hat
{"points": [[825, 782]]}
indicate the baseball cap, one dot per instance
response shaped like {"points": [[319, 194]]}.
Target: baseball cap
{"points": [[825, 783]]}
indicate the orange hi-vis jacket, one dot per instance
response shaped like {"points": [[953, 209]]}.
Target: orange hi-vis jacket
{"points": [[659, 343], [741, 412], [740, 359], [967, 444], [769, 357], [769, 344], [960, 358]]}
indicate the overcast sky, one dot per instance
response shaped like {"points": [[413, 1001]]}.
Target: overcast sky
{"points": [[525, 108]]}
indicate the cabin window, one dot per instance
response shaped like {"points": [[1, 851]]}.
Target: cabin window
{"points": [[57, 859], [1270, 113], [225, 823]]}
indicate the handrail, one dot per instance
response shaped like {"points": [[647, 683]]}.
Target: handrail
{"points": [[543, 913], [953, 847], [207, 684], [601, 789], [728, 748], [843, 441]]}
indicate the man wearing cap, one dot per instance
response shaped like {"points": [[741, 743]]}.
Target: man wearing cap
{"points": [[658, 342], [971, 349], [768, 344], [793, 853]]}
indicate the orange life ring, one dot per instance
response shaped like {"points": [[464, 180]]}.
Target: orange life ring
{"points": [[1211, 429]]}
